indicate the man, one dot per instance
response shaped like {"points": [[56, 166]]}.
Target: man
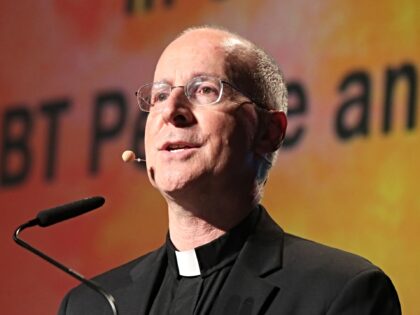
{"points": [[216, 119]]}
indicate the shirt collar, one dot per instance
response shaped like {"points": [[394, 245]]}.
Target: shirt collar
{"points": [[208, 258]]}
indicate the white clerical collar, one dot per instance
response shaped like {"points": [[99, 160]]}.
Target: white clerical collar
{"points": [[187, 262]]}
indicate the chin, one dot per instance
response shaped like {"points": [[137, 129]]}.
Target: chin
{"points": [[170, 183]]}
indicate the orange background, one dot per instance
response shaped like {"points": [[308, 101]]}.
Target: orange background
{"points": [[360, 195]]}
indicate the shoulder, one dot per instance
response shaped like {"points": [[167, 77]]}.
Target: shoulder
{"points": [[316, 276], [124, 274], [115, 281], [308, 255], [343, 282]]}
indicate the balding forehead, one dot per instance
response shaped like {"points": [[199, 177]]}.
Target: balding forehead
{"points": [[233, 42], [232, 50], [217, 37], [198, 51]]}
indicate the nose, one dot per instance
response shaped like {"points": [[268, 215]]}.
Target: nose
{"points": [[177, 110]]}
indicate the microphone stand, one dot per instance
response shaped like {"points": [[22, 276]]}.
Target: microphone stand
{"points": [[90, 283]]}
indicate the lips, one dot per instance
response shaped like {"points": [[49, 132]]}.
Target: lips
{"points": [[178, 146]]}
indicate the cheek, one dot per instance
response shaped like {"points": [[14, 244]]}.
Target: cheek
{"points": [[231, 138], [239, 132], [149, 137], [221, 131], [149, 141]]}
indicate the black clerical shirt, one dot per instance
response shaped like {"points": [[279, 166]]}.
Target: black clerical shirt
{"points": [[183, 295]]}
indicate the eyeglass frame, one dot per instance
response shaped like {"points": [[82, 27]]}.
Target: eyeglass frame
{"points": [[138, 98]]}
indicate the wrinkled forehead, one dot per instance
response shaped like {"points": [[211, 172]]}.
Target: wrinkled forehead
{"points": [[197, 52]]}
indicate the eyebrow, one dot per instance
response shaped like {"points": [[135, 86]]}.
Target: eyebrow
{"points": [[193, 75]]}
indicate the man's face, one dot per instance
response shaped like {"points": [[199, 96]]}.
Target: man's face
{"points": [[198, 148]]}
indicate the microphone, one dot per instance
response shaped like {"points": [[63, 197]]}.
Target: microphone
{"points": [[129, 156], [55, 215], [70, 210]]}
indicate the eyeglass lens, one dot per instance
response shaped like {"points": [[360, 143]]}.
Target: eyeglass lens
{"points": [[202, 90]]}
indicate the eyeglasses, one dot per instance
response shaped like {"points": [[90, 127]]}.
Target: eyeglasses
{"points": [[200, 90]]}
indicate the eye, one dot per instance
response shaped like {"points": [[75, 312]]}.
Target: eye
{"points": [[203, 90], [159, 93], [206, 90], [160, 97]]}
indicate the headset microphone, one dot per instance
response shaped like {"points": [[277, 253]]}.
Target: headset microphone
{"points": [[129, 156]]}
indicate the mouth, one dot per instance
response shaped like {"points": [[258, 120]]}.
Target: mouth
{"points": [[178, 146]]}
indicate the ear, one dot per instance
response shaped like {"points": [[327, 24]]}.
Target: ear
{"points": [[272, 133]]}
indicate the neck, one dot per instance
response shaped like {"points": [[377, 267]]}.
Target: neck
{"points": [[191, 226]]}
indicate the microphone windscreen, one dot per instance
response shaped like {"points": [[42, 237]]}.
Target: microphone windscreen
{"points": [[128, 156], [69, 210]]}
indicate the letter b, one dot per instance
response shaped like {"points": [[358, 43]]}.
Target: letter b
{"points": [[17, 127]]}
